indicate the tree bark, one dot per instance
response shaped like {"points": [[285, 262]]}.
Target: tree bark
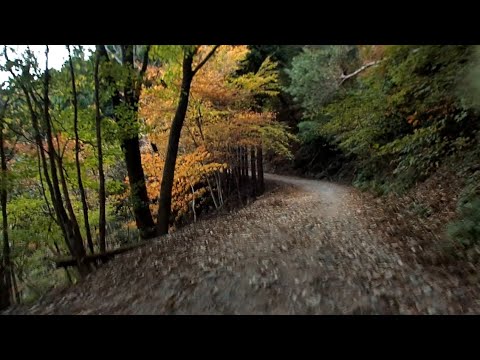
{"points": [[77, 156], [254, 173], [5, 263], [101, 174], [133, 159], [73, 223], [245, 165], [261, 182], [130, 144], [165, 199], [239, 164], [16, 294], [4, 289]]}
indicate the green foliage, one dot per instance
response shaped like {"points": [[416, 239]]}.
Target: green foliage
{"points": [[115, 187], [34, 234], [166, 53], [282, 54], [277, 138], [262, 82], [313, 77], [469, 88], [308, 131], [464, 233], [471, 189], [399, 120]]}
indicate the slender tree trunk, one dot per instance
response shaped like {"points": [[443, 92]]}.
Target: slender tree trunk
{"points": [[4, 289], [62, 217], [57, 203], [101, 174], [261, 182], [218, 179], [77, 156], [53, 191], [193, 204], [138, 189], [68, 203], [165, 200], [133, 159], [211, 191], [254, 173], [245, 164], [231, 170], [5, 263], [236, 175], [16, 293], [240, 164], [76, 243]]}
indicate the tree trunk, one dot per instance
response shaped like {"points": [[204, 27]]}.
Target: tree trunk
{"points": [[253, 169], [240, 164], [130, 143], [101, 174], [133, 159], [57, 203], [16, 293], [209, 183], [76, 243], [165, 199], [77, 157], [73, 223], [4, 290], [5, 263], [245, 164], [261, 182], [52, 183], [138, 189]]}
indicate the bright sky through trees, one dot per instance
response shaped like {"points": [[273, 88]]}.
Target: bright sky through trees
{"points": [[57, 56]]}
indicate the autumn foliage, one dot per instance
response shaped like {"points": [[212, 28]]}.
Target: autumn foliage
{"points": [[220, 119]]}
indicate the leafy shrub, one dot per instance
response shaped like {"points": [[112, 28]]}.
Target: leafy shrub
{"points": [[464, 233]]}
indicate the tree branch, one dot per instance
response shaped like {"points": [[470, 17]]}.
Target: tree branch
{"points": [[103, 52], [209, 55], [142, 71], [114, 54], [344, 77]]}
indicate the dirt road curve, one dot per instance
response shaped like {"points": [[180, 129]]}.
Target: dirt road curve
{"points": [[302, 248]]}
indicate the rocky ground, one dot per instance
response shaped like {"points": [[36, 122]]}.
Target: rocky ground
{"points": [[305, 247]]}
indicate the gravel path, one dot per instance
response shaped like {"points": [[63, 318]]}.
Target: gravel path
{"points": [[302, 248]]}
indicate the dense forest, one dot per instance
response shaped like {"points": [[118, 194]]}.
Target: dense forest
{"points": [[126, 143]]}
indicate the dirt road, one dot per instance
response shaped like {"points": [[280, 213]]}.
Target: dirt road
{"points": [[302, 248]]}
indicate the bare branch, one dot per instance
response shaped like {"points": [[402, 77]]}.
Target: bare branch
{"points": [[209, 55], [114, 54], [344, 77]]}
